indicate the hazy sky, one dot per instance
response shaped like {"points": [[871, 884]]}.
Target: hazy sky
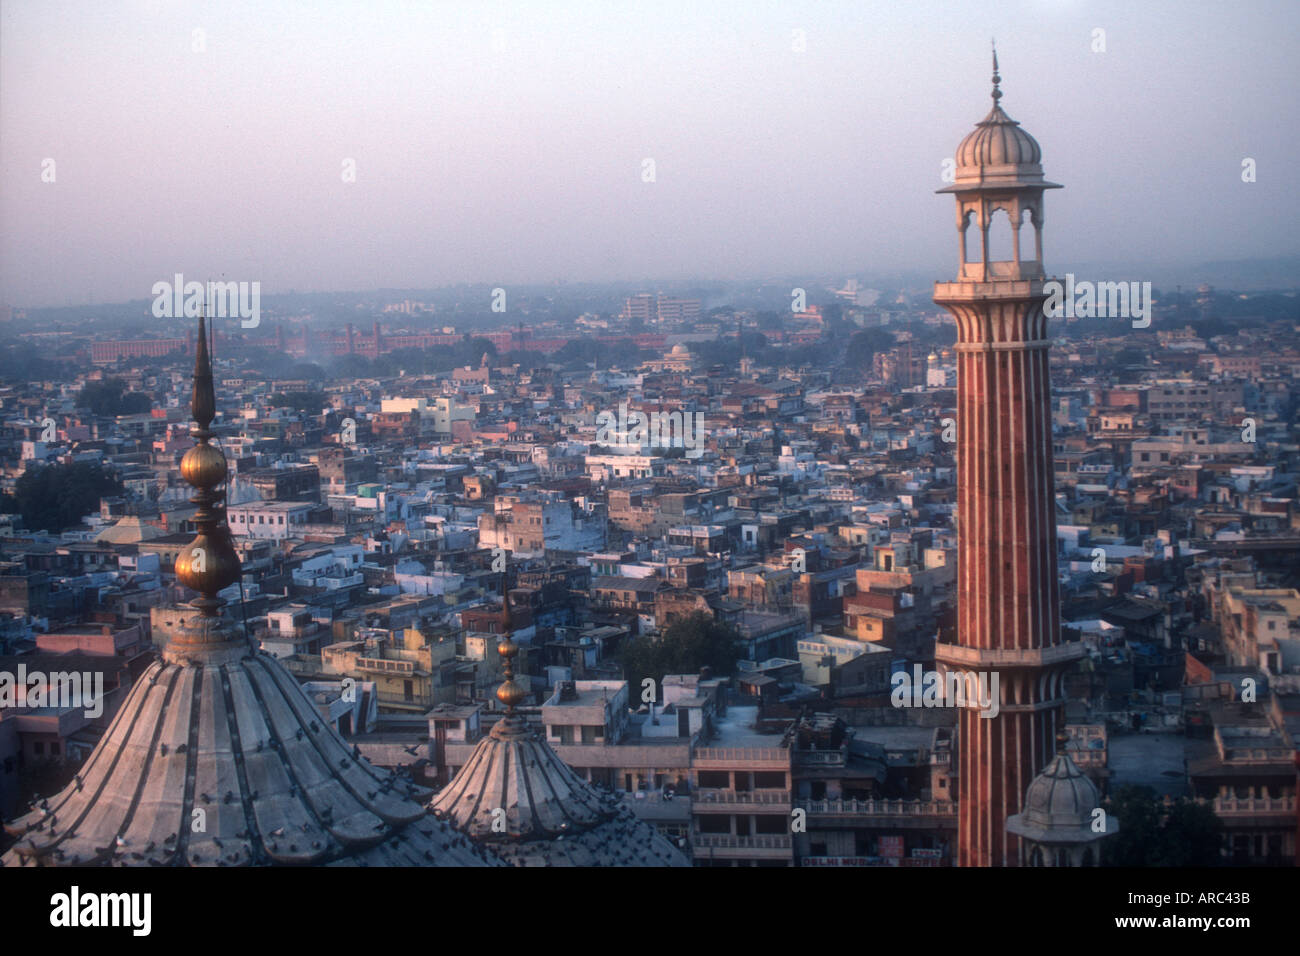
{"points": [[504, 142]]}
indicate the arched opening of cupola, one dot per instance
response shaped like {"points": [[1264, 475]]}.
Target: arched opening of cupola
{"points": [[1001, 242], [970, 239]]}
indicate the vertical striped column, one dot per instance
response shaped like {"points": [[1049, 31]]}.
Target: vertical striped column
{"points": [[1008, 605]]}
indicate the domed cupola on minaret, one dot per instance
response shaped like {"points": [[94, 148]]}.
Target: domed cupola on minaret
{"points": [[1060, 824], [999, 169]]}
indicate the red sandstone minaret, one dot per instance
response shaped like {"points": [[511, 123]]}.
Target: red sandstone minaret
{"points": [[1008, 620]]}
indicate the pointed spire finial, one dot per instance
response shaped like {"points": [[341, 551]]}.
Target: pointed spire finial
{"points": [[507, 623], [203, 400], [209, 563], [997, 93]]}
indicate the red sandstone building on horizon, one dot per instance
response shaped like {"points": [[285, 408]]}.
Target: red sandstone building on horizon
{"points": [[301, 342]]}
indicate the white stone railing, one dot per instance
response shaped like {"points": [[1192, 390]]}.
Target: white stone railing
{"points": [[742, 753], [1229, 806]]}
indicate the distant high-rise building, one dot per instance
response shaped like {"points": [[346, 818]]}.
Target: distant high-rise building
{"points": [[1008, 623], [640, 307], [649, 308], [678, 310]]}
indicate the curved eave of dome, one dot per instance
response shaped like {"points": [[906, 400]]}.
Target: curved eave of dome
{"points": [[623, 841], [1058, 836], [988, 178]]}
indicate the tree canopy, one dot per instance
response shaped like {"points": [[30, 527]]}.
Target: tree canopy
{"points": [[863, 346], [310, 401], [56, 497], [1186, 833], [110, 398], [684, 647]]}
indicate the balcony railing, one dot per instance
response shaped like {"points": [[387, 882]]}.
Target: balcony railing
{"points": [[1232, 806], [379, 664], [1238, 755], [753, 754], [1088, 758], [765, 797], [727, 841], [896, 808], [812, 758]]}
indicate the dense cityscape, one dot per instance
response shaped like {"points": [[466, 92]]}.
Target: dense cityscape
{"points": [[392, 478]]}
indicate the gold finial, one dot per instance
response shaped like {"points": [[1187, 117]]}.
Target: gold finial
{"points": [[208, 563], [509, 693], [1062, 738]]}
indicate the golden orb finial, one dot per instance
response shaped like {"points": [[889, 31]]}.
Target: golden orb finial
{"points": [[209, 562], [509, 693]]}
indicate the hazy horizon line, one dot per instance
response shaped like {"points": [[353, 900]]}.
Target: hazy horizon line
{"points": [[825, 280]]}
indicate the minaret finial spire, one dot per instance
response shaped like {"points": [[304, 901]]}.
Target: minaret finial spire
{"points": [[209, 563], [997, 93], [509, 693]]}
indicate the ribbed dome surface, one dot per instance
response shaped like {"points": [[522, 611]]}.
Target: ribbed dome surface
{"points": [[998, 140], [1060, 796], [517, 795], [1060, 804], [237, 738]]}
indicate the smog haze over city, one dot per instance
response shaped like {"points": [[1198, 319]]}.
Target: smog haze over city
{"points": [[503, 143]]}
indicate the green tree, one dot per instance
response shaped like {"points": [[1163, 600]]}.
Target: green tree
{"points": [[353, 366], [24, 362], [1186, 833], [310, 401], [309, 371], [684, 647], [581, 353], [110, 398], [863, 346], [56, 497]]}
